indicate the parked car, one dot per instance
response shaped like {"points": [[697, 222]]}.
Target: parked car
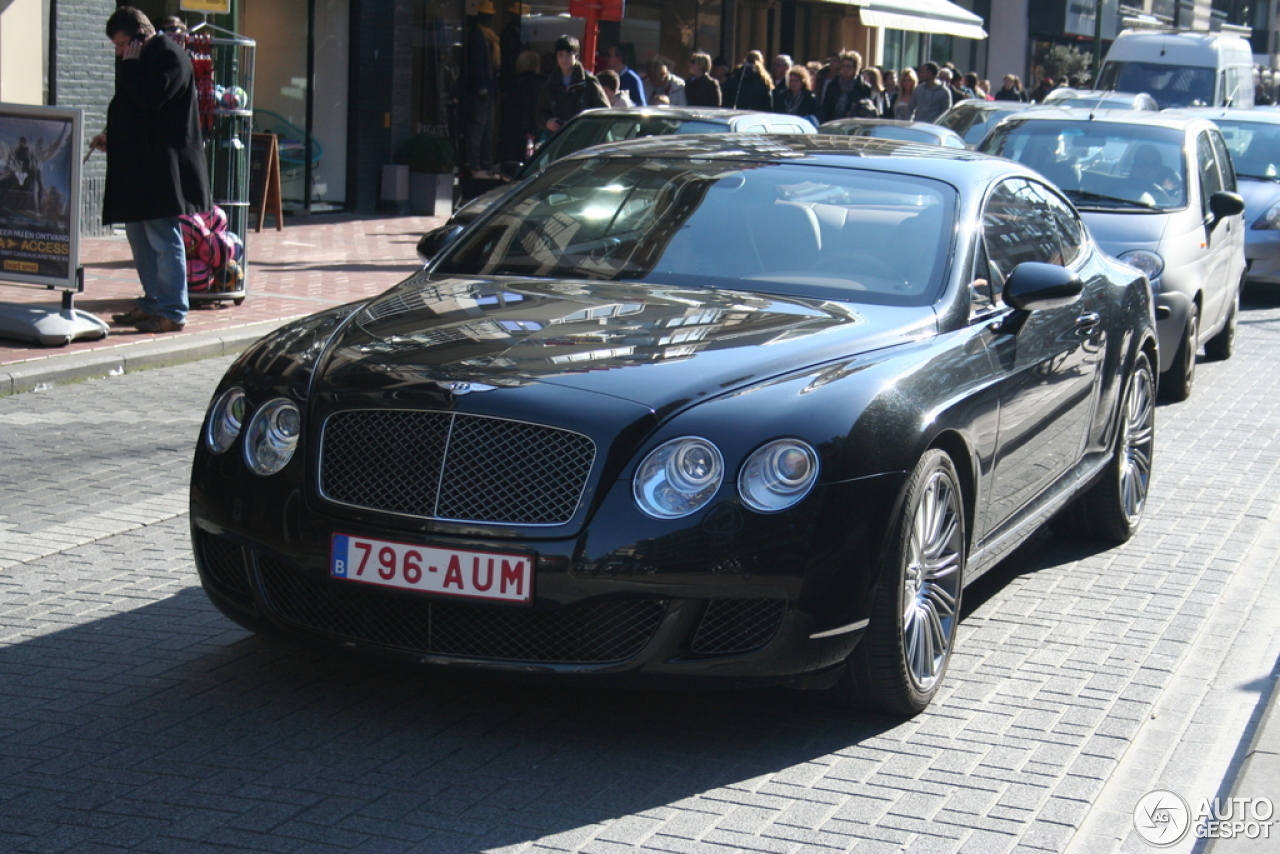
{"points": [[972, 118], [1253, 139], [612, 125], [926, 132], [1100, 99], [721, 409], [1159, 192]]}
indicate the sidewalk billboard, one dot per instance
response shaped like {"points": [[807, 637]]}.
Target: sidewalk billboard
{"points": [[40, 150]]}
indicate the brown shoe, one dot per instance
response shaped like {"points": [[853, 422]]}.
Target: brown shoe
{"points": [[132, 316], [159, 324]]}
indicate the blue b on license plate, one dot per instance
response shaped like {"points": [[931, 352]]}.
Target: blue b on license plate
{"points": [[452, 572]]}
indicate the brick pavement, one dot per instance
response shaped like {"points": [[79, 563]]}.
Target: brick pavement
{"points": [[134, 717], [312, 263]]}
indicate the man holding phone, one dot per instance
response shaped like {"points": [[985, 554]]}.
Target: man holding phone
{"points": [[155, 165]]}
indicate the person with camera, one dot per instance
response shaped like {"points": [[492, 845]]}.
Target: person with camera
{"points": [[155, 165]]}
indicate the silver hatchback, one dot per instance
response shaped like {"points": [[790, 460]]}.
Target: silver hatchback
{"points": [[1158, 192]]}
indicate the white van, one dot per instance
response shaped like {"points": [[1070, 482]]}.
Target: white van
{"points": [[1180, 68]]}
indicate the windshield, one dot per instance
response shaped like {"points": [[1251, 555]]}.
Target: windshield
{"points": [[1100, 164], [1171, 85], [594, 130], [787, 228], [1254, 146]]}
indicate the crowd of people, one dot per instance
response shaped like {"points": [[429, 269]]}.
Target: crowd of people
{"points": [[840, 87]]}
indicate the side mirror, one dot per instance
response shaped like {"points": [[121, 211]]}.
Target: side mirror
{"points": [[1224, 204], [1033, 286], [433, 242]]}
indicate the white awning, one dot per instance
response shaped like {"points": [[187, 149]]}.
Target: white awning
{"points": [[921, 16]]}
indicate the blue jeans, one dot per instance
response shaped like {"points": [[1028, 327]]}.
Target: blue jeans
{"points": [[161, 259]]}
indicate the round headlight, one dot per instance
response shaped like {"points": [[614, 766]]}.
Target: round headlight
{"points": [[1151, 264], [226, 417], [272, 436], [678, 478], [1269, 221], [778, 475]]}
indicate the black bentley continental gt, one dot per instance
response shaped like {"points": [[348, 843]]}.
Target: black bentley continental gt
{"points": [[729, 409]]}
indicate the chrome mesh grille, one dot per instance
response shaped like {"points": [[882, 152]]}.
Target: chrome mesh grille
{"points": [[585, 634], [738, 625], [440, 465], [224, 565]]}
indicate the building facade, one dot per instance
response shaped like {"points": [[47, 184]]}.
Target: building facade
{"points": [[358, 77]]}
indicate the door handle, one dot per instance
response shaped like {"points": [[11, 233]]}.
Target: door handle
{"points": [[1087, 324]]}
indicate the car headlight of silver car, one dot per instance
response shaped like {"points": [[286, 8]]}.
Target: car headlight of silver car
{"points": [[778, 475], [1150, 263], [1269, 221], [678, 477], [272, 436], [226, 417]]}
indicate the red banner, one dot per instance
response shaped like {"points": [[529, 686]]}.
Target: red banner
{"points": [[604, 10]]}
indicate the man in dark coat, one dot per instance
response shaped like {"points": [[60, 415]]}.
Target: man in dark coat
{"points": [[155, 164], [846, 90], [569, 90]]}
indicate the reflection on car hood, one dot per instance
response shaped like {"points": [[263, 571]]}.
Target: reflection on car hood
{"points": [[1117, 233], [659, 346]]}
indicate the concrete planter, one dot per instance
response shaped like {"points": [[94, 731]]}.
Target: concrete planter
{"points": [[430, 194]]}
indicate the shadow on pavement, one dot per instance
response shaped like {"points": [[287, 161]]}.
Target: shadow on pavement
{"points": [[167, 722]]}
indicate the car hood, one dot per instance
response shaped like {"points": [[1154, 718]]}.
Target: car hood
{"points": [[662, 347], [1118, 233], [1259, 195]]}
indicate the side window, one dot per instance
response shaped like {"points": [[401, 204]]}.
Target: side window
{"points": [[1026, 221], [1210, 178], [983, 297], [1225, 163]]}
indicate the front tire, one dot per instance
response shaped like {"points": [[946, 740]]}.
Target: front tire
{"points": [[898, 666], [1111, 509], [1176, 383]]}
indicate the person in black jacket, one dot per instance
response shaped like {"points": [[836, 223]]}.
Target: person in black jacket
{"points": [[750, 87], [569, 90], [845, 92], [701, 89], [155, 164], [798, 98]]}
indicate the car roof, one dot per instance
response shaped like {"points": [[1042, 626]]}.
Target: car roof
{"points": [[1107, 116], [710, 114], [1235, 114], [887, 155]]}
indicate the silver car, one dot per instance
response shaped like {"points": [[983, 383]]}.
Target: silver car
{"points": [[1158, 192], [904, 131], [973, 117], [1100, 99], [1253, 138]]}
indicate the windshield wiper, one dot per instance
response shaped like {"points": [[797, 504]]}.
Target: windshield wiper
{"points": [[1272, 178], [1086, 196]]}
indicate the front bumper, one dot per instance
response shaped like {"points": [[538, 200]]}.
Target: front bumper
{"points": [[1172, 309], [1262, 253], [767, 601]]}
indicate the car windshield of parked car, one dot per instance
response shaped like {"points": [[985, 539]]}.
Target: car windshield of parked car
{"points": [[591, 130], [1254, 146], [1100, 164], [785, 228], [1171, 85]]}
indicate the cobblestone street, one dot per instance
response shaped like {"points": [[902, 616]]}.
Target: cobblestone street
{"points": [[134, 717]]}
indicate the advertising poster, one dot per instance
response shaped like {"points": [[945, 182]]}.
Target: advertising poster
{"points": [[40, 151]]}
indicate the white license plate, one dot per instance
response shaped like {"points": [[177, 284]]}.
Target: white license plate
{"points": [[453, 572]]}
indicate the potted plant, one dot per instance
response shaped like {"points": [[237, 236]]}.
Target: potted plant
{"points": [[431, 160]]}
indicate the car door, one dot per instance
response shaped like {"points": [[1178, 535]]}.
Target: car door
{"points": [[1223, 240], [1234, 244], [1048, 368]]}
